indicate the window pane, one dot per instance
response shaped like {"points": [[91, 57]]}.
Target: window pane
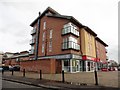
{"points": [[51, 31], [44, 25], [43, 36], [42, 47], [70, 45], [50, 46]]}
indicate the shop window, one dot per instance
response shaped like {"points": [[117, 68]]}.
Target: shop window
{"points": [[70, 43]]}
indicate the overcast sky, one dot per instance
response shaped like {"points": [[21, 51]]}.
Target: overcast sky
{"points": [[16, 15]]}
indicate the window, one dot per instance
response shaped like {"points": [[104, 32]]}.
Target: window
{"points": [[50, 46], [32, 47], [51, 31], [43, 48], [44, 25], [69, 28], [43, 38], [70, 43], [66, 63], [17, 59], [65, 43]]}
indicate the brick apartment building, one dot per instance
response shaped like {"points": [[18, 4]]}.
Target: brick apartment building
{"points": [[61, 42]]}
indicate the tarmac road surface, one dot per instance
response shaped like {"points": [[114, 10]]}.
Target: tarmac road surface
{"points": [[9, 84]]}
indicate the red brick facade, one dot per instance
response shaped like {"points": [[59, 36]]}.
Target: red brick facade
{"points": [[47, 66], [51, 61], [101, 50]]}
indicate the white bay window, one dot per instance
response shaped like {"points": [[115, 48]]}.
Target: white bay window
{"points": [[70, 43], [70, 28]]}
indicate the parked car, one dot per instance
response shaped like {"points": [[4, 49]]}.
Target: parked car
{"points": [[5, 68], [104, 69], [14, 68], [1, 68], [118, 68]]}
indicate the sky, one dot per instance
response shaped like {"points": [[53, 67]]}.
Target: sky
{"points": [[17, 15]]}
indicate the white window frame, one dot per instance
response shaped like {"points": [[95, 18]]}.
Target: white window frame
{"points": [[43, 38], [50, 46], [51, 33], [44, 25], [43, 47]]}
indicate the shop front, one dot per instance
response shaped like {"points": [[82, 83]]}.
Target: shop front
{"points": [[89, 63], [72, 65]]}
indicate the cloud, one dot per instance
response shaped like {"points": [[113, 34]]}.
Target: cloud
{"points": [[113, 52], [16, 16]]}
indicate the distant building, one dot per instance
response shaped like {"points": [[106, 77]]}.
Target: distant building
{"points": [[1, 57], [101, 51], [15, 58]]}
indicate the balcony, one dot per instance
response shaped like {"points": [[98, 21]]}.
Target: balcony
{"points": [[70, 45], [31, 51], [32, 41], [70, 29], [107, 58], [33, 31], [106, 50]]}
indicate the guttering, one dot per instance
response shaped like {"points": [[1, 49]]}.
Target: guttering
{"points": [[37, 38]]}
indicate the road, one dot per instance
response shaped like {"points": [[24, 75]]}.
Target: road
{"points": [[9, 84]]}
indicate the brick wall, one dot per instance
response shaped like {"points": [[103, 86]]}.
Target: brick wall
{"points": [[101, 52], [46, 65]]}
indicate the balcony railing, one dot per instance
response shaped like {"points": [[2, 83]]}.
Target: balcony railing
{"points": [[106, 50], [70, 29], [31, 51], [107, 57], [32, 41], [33, 31], [70, 45]]}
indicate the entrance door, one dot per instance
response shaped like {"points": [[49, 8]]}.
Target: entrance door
{"points": [[81, 65], [77, 66], [88, 66]]}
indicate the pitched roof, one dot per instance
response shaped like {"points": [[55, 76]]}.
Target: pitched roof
{"points": [[71, 18], [89, 30], [49, 9], [55, 14], [98, 39]]}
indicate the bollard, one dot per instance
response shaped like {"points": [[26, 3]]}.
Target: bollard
{"points": [[23, 72], [63, 78], [2, 71], [96, 78], [12, 71], [40, 74]]}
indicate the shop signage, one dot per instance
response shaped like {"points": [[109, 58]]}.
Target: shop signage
{"points": [[76, 56], [89, 58], [67, 56]]}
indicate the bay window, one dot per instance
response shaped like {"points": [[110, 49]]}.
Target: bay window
{"points": [[70, 43], [70, 28]]}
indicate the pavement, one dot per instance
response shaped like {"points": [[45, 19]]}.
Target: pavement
{"points": [[54, 85], [108, 79]]}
